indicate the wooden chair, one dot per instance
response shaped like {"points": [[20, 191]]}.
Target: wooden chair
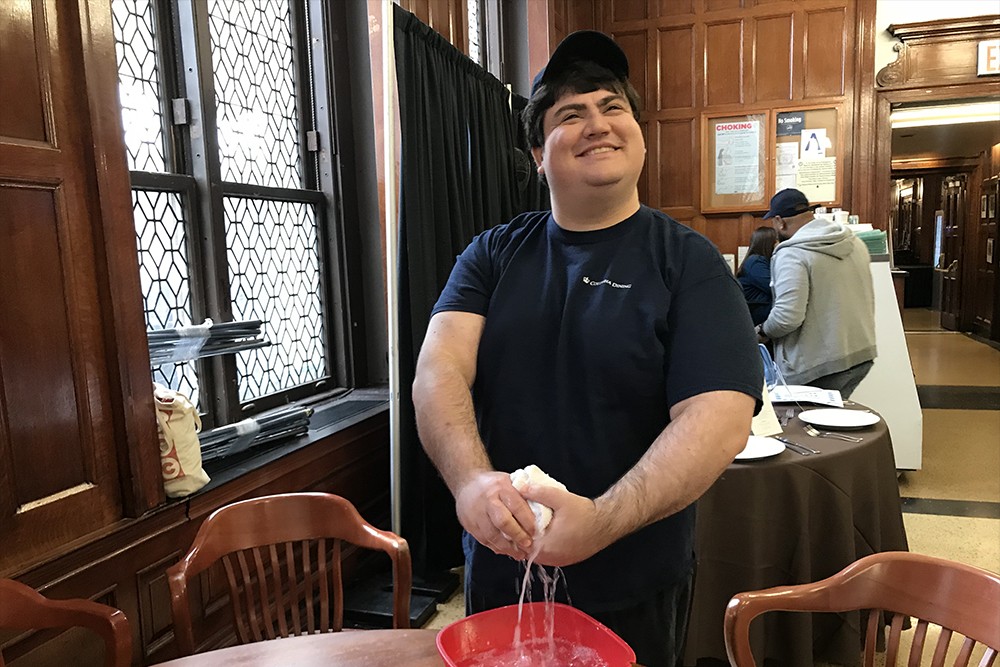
{"points": [[23, 608], [964, 600], [282, 556]]}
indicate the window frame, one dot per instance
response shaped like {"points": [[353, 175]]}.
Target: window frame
{"points": [[193, 163]]}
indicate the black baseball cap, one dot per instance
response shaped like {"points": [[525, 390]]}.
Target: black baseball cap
{"points": [[583, 45], [789, 202]]}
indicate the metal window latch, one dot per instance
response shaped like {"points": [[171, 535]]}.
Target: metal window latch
{"points": [[312, 141], [179, 107]]}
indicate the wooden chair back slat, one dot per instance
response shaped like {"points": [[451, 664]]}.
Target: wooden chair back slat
{"points": [[892, 642], [236, 606], [965, 653], [309, 585], [917, 644], [294, 596], [989, 658], [871, 637], [337, 584], [249, 603], [23, 608], [955, 596], [281, 592], [282, 556], [264, 601], [322, 583], [941, 648]]}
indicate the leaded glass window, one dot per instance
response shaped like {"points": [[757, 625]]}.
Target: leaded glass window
{"points": [[164, 276], [274, 276], [139, 84], [229, 220], [253, 66]]}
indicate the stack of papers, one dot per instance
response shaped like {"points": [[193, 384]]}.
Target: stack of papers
{"points": [[203, 340], [802, 394], [273, 426]]}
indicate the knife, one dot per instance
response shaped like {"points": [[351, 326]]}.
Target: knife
{"points": [[796, 447]]}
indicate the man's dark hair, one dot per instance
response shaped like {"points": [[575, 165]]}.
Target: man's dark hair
{"points": [[582, 77]]}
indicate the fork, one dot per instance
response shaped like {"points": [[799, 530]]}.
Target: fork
{"points": [[810, 430]]}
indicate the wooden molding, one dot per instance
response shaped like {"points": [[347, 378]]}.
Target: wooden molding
{"points": [[971, 28], [936, 51], [936, 163], [136, 442], [863, 154]]}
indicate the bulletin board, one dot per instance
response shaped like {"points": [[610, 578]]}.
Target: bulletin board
{"points": [[734, 158], [808, 153], [746, 158]]}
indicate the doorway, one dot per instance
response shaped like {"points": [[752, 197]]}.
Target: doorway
{"points": [[940, 156]]}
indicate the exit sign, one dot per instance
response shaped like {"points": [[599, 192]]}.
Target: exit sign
{"points": [[989, 57]]}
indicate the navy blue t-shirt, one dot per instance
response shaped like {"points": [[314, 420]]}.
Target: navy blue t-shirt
{"points": [[590, 338]]}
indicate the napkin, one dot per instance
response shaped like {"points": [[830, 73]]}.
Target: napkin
{"points": [[766, 421], [532, 474]]}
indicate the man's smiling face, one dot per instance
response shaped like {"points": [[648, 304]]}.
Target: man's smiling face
{"points": [[592, 140]]}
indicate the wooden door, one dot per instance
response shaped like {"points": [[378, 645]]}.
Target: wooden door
{"points": [[953, 202], [58, 463], [986, 213]]}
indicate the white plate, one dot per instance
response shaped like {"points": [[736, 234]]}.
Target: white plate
{"points": [[759, 447], [839, 418]]}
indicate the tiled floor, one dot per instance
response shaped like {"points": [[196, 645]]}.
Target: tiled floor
{"points": [[961, 457]]}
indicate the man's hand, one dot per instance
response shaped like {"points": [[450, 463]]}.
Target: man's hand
{"points": [[576, 531], [493, 512]]}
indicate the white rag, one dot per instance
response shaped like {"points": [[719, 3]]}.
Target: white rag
{"points": [[534, 475]]}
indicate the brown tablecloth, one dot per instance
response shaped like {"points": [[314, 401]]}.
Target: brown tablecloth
{"points": [[361, 648], [793, 519]]}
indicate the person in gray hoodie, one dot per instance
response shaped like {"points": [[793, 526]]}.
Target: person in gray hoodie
{"points": [[823, 319]]}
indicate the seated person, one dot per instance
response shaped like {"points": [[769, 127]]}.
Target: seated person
{"points": [[754, 273]]}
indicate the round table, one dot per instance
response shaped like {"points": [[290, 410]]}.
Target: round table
{"points": [[793, 519], [359, 648]]}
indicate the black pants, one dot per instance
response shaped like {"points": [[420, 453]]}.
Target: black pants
{"points": [[845, 381], [655, 628]]}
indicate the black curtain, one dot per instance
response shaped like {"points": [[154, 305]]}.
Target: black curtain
{"points": [[458, 177]]}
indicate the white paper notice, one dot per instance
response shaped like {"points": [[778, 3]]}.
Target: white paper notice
{"points": [[814, 144], [817, 179], [737, 157], [788, 165]]}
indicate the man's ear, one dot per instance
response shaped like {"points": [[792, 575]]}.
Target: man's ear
{"points": [[537, 153]]}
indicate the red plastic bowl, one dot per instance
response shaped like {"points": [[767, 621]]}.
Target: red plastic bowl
{"points": [[493, 630]]}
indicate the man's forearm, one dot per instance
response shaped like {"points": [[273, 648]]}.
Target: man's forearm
{"points": [[446, 423], [683, 461]]}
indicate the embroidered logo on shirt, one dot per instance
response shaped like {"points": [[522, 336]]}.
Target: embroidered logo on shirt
{"points": [[598, 283]]}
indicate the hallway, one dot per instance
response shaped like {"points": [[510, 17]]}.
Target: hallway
{"points": [[952, 505]]}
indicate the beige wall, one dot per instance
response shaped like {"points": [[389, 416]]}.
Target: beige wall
{"points": [[889, 12]]}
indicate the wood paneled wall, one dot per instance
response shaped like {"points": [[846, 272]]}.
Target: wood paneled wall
{"points": [[69, 265], [689, 57], [448, 17], [125, 567], [82, 509]]}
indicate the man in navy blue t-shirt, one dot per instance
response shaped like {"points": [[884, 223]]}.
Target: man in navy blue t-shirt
{"points": [[602, 341]]}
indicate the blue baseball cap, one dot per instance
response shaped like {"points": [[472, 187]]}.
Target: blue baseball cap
{"points": [[583, 45], [789, 202]]}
